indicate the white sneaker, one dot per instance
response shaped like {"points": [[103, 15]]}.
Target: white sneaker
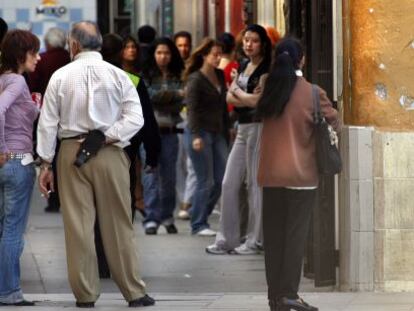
{"points": [[216, 212], [183, 215], [216, 249], [246, 250], [206, 232]]}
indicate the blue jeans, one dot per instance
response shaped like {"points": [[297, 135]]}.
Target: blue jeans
{"points": [[16, 185], [209, 165], [159, 186]]}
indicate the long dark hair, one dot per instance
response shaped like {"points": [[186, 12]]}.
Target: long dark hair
{"points": [[127, 39], [228, 41], [266, 44], [111, 49], [282, 78], [175, 67], [196, 60]]}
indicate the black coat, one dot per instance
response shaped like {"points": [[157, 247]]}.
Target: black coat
{"points": [[149, 134]]}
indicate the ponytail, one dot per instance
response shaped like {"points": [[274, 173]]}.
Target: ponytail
{"points": [[281, 80]]}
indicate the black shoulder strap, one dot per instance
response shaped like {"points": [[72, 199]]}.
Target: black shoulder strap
{"points": [[242, 65], [317, 115]]}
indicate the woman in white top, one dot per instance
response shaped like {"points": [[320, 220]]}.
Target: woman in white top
{"points": [[244, 93]]}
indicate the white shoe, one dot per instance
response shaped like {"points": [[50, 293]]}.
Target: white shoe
{"points": [[216, 249], [246, 250], [206, 232], [183, 215], [216, 212]]}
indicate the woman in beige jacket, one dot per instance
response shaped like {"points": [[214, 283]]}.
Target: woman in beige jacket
{"points": [[288, 172]]}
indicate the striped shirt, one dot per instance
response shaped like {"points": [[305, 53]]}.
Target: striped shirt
{"points": [[85, 95], [17, 114]]}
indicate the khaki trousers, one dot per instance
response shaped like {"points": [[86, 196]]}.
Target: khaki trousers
{"points": [[100, 187]]}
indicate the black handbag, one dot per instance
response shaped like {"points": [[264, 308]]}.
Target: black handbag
{"points": [[328, 158], [93, 142]]}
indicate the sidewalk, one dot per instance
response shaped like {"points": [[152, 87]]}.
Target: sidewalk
{"points": [[234, 301], [178, 272]]}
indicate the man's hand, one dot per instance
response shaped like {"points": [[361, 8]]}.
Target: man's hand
{"points": [[3, 159], [46, 184], [110, 141], [198, 144]]}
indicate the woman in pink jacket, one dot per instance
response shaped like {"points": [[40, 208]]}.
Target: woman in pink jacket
{"points": [[288, 172]]}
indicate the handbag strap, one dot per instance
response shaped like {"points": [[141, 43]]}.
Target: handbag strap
{"points": [[317, 114]]}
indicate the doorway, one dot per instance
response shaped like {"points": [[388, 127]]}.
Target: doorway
{"points": [[312, 23]]}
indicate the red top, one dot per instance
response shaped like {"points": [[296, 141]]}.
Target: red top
{"points": [[50, 61], [227, 77]]}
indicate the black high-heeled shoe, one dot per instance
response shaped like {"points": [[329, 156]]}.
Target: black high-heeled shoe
{"points": [[276, 306]]}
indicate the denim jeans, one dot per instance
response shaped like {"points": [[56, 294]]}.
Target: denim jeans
{"points": [[186, 178], [16, 185], [209, 165], [159, 186]]}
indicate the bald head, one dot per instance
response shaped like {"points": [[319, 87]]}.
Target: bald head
{"points": [[87, 35]]}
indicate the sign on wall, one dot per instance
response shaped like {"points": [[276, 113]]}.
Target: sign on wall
{"points": [[51, 8], [39, 16]]}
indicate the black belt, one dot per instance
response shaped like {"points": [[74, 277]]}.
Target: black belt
{"points": [[170, 130]]}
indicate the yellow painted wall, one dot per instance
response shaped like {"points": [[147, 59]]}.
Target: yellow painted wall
{"points": [[379, 64]]}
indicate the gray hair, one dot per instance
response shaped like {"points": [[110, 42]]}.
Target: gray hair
{"points": [[55, 38], [87, 34]]}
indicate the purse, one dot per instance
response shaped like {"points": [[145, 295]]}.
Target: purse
{"points": [[89, 148], [328, 158]]}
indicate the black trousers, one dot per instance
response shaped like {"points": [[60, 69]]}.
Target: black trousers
{"points": [[286, 219], [53, 201]]}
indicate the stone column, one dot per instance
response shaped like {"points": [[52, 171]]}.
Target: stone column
{"points": [[377, 185]]}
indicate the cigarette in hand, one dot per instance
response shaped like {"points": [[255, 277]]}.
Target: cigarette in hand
{"points": [[49, 192]]}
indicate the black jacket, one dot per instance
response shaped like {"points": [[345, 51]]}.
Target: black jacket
{"points": [[247, 114], [207, 107], [149, 134]]}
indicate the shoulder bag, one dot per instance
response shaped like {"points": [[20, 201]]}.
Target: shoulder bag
{"points": [[328, 158]]}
